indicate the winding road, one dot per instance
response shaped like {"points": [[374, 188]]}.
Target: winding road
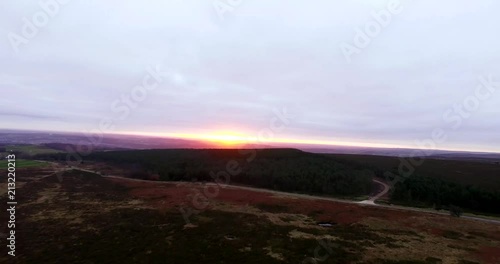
{"points": [[383, 192]]}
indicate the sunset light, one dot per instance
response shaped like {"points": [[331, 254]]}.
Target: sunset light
{"points": [[225, 138], [220, 138]]}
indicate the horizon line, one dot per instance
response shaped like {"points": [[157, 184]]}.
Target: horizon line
{"points": [[241, 141]]}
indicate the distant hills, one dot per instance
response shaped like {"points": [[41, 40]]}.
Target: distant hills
{"points": [[59, 140]]}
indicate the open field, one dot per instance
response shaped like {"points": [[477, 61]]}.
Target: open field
{"points": [[28, 150], [87, 218], [23, 164]]}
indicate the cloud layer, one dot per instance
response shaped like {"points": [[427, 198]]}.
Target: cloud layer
{"points": [[228, 73]]}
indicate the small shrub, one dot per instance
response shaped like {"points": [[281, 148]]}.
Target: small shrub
{"points": [[455, 211]]}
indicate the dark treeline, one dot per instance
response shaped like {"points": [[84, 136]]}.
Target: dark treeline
{"points": [[427, 191], [441, 184], [278, 169]]}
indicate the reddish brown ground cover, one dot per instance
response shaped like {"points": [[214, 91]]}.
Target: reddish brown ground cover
{"points": [[489, 254], [171, 195], [377, 232]]}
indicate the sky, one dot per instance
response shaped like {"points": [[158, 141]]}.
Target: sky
{"points": [[364, 73]]}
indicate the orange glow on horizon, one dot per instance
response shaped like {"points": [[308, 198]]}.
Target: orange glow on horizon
{"points": [[237, 139], [226, 139], [233, 140]]}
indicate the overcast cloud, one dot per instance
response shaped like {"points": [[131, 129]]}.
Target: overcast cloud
{"points": [[229, 74]]}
